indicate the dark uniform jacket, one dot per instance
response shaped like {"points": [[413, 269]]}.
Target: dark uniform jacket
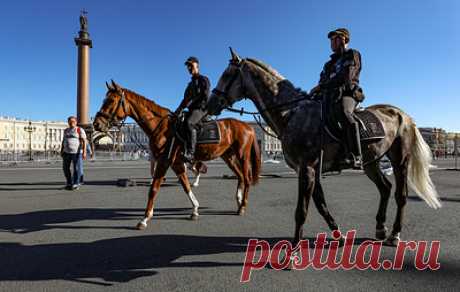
{"points": [[340, 75], [196, 94]]}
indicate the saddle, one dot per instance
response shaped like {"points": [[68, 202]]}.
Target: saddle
{"points": [[208, 131], [370, 127]]}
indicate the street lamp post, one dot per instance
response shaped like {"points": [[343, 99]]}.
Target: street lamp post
{"points": [[46, 140], [456, 151], [445, 145], [5, 140], [30, 129]]}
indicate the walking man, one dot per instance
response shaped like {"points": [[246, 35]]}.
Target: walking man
{"points": [[73, 141]]}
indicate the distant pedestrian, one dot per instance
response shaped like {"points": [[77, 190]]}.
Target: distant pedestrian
{"points": [[73, 141]]}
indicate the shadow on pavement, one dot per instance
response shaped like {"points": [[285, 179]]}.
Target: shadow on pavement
{"points": [[44, 220], [443, 199], [109, 261], [40, 186], [53, 219]]}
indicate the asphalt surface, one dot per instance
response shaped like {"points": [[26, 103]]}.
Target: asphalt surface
{"points": [[57, 240]]}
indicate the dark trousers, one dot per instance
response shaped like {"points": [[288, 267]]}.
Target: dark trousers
{"points": [[80, 166], [194, 118], [67, 160]]}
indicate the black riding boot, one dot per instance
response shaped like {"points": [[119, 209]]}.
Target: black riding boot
{"points": [[354, 146], [191, 146]]}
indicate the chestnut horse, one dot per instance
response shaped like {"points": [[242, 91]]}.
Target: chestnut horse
{"points": [[238, 146]]}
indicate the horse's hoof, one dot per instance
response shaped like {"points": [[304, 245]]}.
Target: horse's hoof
{"points": [[141, 226], [241, 211], [194, 217], [195, 185], [381, 234], [392, 241]]}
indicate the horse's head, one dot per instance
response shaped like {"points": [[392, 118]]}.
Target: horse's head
{"points": [[233, 85], [113, 110]]}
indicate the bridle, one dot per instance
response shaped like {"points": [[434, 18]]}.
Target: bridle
{"points": [[223, 94], [111, 118]]}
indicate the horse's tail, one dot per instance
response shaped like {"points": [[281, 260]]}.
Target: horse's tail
{"points": [[255, 160], [418, 175]]}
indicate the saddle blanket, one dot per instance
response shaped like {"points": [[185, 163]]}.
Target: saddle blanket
{"points": [[370, 127], [209, 133]]}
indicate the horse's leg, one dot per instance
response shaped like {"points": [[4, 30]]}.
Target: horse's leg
{"points": [[246, 184], [400, 173], [160, 172], [233, 164], [373, 171], [152, 168], [320, 203], [181, 172], [245, 162], [197, 174], [306, 187]]}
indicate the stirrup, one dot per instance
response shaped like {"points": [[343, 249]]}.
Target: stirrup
{"points": [[357, 162], [352, 161]]}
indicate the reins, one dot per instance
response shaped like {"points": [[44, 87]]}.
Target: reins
{"points": [[256, 115], [119, 124]]}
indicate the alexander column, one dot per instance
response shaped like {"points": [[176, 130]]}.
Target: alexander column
{"points": [[84, 43]]}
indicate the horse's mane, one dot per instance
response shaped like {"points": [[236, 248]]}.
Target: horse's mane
{"points": [[276, 82], [265, 67], [150, 104]]}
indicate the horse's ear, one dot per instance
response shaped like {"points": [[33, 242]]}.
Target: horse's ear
{"points": [[235, 58], [115, 86], [109, 87]]}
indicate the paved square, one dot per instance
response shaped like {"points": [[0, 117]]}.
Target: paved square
{"points": [[57, 240]]}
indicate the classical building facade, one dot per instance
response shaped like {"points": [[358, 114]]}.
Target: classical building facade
{"points": [[269, 145], [440, 141], [44, 135], [47, 136], [133, 138]]}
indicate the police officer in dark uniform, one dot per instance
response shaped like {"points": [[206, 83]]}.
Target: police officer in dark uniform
{"points": [[339, 80], [195, 100]]}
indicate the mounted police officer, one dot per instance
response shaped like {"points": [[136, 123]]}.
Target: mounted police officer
{"points": [[195, 100], [339, 80]]}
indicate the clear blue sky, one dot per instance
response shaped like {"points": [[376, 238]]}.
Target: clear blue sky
{"points": [[410, 49]]}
